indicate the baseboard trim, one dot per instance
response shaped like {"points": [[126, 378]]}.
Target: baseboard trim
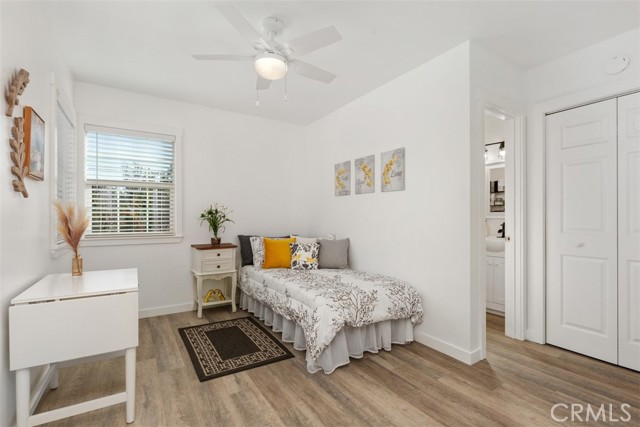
{"points": [[535, 336], [167, 309], [468, 357]]}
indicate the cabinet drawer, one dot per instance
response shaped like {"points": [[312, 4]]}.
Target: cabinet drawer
{"points": [[216, 266], [217, 255]]}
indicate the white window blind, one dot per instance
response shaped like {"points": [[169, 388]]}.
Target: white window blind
{"points": [[129, 183], [65, 155]]}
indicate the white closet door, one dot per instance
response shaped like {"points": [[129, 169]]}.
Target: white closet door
{"points": [[581, 250], [629, 230]]}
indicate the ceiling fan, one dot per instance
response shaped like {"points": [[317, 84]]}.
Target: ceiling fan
{"points": [[274, 59]]}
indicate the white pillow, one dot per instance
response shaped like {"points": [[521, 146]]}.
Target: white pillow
{"points": [[307, 240]]}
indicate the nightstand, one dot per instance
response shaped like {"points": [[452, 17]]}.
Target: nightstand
{"points": [[214, 263]]}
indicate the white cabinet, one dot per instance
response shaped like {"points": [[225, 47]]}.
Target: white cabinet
{"points": [[495, 283], [214, 263]]}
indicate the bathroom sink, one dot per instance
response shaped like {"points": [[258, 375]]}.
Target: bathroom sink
{"points": [[495, 244]]}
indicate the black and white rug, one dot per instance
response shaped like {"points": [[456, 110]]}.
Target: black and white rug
{"points": [[230, 346]]}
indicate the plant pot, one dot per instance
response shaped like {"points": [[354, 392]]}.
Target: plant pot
{"points": [[76, 266], [215, 241]]}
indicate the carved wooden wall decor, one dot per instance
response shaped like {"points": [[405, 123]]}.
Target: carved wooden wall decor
{"points": [[16, 88], [18, 156]]}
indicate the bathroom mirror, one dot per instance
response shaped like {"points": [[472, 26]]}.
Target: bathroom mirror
{"points": [[495, 191]]}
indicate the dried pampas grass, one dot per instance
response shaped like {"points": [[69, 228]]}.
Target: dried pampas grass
{"points": [[72, 224]]}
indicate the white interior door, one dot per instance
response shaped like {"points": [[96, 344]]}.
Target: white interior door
{"points": [[505, 269], [629, 230], [581, 252]]}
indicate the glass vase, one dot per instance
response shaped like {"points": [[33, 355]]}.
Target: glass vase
{"points": [[76, 266]]}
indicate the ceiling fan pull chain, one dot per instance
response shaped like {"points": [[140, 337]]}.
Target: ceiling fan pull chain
{"points": [[257, 99], [285, 88]]}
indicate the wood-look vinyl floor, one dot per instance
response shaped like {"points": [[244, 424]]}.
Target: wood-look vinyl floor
{"points": [[412, 385]]}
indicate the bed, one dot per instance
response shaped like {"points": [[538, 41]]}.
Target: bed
{"points": [[332, 314]]}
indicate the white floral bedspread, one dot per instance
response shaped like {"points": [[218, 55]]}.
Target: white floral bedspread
{"points": [[323, 301]]}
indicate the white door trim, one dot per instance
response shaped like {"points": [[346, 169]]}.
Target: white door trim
{"points": [[519, 233], [536, 195], [515, 302]]}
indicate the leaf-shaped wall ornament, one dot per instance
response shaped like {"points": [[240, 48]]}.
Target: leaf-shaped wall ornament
{"points": [[16, 89], [18, 156]]}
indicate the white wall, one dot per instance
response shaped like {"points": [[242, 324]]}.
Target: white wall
{"points": [[24, 223], [581, 70], [493, 132], [244, 162], [421, 234], [565, 82]]}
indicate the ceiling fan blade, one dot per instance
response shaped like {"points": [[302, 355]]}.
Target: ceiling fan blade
{"points": [[224, 57], [242, 25], [314, 41], [262, 83], [311, 72]]}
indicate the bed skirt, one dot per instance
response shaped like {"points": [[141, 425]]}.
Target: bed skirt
{"points": [[349, 342]]}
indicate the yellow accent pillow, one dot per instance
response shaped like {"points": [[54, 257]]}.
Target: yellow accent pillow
{"points": [[277, 253]]}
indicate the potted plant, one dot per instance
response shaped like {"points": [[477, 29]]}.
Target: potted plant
{"points": [[216, 216]]}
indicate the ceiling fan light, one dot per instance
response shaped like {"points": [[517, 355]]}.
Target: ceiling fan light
{"points": [[271, 66]]}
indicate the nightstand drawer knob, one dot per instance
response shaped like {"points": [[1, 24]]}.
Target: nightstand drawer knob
{"points": [[218, 253], [218, 266]]}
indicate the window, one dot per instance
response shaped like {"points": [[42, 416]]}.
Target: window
{"points": [[64, 159], [130, 183]]}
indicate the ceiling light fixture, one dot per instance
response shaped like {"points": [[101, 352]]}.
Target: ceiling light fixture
{"points": [[271, 66]]}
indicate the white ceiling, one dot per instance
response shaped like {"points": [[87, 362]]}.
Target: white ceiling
{"points": [[145, 47]]}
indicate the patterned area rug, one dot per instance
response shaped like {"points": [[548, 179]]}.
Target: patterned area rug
{"points": [[230, 346]]}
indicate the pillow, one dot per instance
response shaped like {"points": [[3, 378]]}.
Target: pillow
{"points": [[333, 253], [306, 240], [246, 253], [313, 239], [277, 253], [257, 249], [304, 256]]}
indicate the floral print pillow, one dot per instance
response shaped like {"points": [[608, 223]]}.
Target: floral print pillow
{"points": [[257, 247], [304, 256]]}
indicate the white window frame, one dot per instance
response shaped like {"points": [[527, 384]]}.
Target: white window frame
{"points": [[83, 122], [59, 97]]}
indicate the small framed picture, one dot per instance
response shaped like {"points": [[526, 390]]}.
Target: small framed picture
{"points": [[392, 175], [365, 170], [34, 143], [342, 178]]}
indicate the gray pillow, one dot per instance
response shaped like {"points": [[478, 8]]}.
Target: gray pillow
{"points": [[333, 253]]}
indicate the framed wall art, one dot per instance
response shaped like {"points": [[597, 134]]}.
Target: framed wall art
{"points": [[34, 143], [342, 178], [365, 170], [393, 171]]}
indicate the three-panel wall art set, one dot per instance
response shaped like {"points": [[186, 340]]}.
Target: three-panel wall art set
{"points": [[392, 174]]}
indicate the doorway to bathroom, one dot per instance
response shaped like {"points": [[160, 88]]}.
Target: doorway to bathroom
{"points": [[495, 148], [503, 203]]}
